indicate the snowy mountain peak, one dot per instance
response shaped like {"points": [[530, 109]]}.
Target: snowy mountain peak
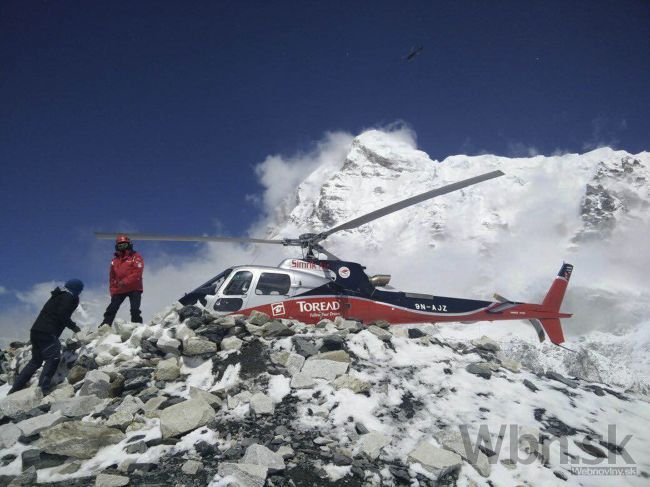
{"points": [[506, 235]]}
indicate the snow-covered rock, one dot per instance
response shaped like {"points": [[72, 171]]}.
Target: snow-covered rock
{"points": [[231, 343], [244, 474], [324, 369], [96, 383], [184, 417], [261, 403], [20, 401], [260, 455], [372, 443], [78, 439], [9, 434], [437, 460], [78, 406], [168, 370], [37, 424], [198, 346], [108, 480]]}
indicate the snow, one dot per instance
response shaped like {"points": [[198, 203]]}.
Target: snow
{"points": [[279, 387], [335, 472]]}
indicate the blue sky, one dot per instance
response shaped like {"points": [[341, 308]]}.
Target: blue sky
{"points": [[152, 115]]}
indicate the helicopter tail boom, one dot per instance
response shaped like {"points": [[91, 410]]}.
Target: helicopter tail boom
{"points": [[553, 301]]}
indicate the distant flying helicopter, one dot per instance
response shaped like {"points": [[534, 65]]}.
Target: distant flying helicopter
{"points": [[310, 289], [413, 53]]}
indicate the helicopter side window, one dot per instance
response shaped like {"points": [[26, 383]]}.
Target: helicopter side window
{"points": [[273, 284], [239, 284]]}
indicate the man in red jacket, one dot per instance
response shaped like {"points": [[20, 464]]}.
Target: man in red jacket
{"points": [[125, 280]]}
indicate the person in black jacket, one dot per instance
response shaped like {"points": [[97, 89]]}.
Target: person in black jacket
{"points": [[45, 333]]}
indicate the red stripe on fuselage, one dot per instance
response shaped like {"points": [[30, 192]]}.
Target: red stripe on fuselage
{"points": [[312, 309]]}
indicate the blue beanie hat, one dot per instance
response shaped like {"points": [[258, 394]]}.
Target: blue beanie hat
{"points": [[75, 286]]}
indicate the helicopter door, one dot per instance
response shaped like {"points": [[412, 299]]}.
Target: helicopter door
{"points": [[236, 293], [271, 287]]}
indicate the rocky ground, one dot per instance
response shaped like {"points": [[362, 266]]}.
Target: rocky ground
{"points": [[194, 399]]}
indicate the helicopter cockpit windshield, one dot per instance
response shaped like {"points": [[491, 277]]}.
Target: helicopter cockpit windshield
{"points": [[209, 288]]}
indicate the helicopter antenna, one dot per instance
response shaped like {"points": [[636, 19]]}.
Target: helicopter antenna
{"points": [[310, 242]]}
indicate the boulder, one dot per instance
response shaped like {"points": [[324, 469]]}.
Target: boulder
{"points": [[9, 434], [258, 318], [183, 332], [34, 457], [560, 378], [530, 385], [260, 455], [191, 467], [356, 385], [372, 443], [62, 391], [511, 365], [285, 451], [37, 424], [168, 344], [20, 401], [452, 440], [486, 343], [436, 460], [211, 399], [304, 346], [350, 326], [302, 381], [120, 420], [262, 404], [25, 479], [167, 370], [194, 323], [381, 324], [186, 416], [336, 355], [294, 363], [245, 474], [188, 311], [415, 333], [238, 399], [324, 369], [231, 343], [78, 406], [125, 330], [137, 447], [198, 346], [108, 480], [332, 342], [276, 329], [131, 405], [381, 333], [154, 403], [96, 383], [78, 439], [76, 374], [482, 369]]}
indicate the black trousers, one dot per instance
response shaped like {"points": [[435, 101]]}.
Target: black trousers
{"points": [[135, 297], [45, 348]]}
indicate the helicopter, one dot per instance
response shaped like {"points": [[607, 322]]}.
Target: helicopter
{"points": [[311, 289]]}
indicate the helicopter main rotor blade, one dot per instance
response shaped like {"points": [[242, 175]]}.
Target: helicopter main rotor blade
{"points": [[188, 238], [400, 205]]}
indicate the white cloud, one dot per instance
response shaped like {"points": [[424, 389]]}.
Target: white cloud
{"points": [[3, 290], [279, 175]]}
